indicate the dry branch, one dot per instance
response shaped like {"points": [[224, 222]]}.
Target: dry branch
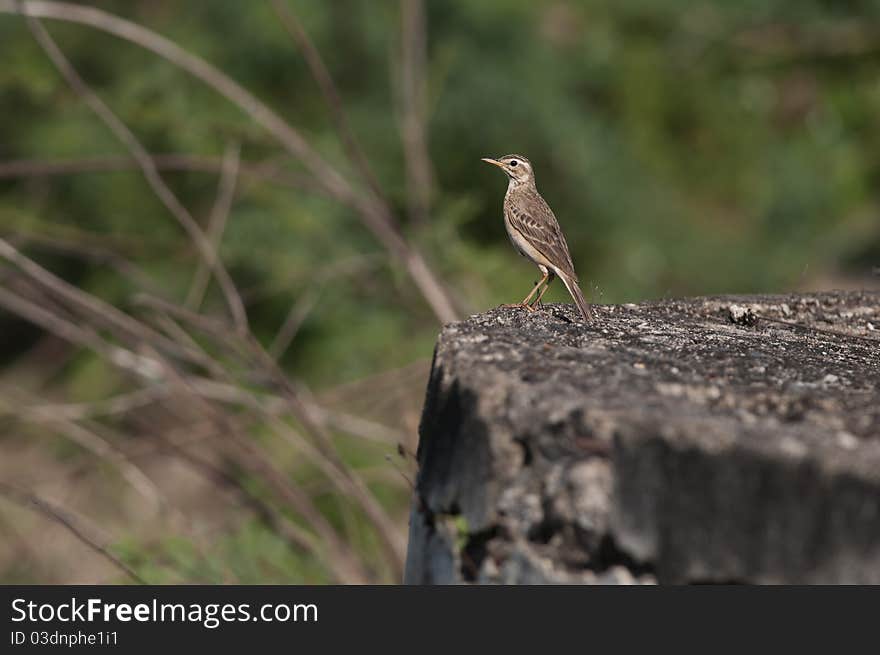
{"points": [[413, 108], [375, 214], [262, 361], [216, 222], [57, 515], [325, 82], [163, 192], [335, 552], [268, 171], [86, 337], [103, 449], [104, 312], [246, 374]]}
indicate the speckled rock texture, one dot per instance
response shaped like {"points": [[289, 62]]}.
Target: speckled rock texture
{"points": [[726, 439]]}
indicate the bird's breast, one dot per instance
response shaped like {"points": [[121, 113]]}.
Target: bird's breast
{"points": [[522, 245]]}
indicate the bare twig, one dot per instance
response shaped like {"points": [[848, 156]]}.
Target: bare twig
{"points": [[264, 363], [358, 426], [328, 89], [153, 366], [104, 312], [151, 174], [175, 331], [207, 324], [336, 553], [197, 67], [57, 515], [296, 536], [293, 322], [375, 214], [268, 171], [274, 405], [87, 251], [216, 223], [103, 449], [386, 529], [405, 477], [141, 366], [413, 110], [116, 405], [304, 305], [350, 484], [329, 461], [338, 557]]}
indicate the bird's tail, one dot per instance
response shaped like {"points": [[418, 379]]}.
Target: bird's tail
{"points": [[578, 297]]}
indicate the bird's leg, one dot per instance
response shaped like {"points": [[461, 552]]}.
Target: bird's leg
{"points": [[537, 304], [525, 303]]}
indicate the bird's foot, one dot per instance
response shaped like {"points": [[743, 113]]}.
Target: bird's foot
{"points": [[518, 305]]}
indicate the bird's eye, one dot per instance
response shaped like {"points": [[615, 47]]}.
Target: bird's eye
{"points": [[513, 162]]}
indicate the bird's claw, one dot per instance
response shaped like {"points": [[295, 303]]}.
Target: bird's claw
{"points": [[519, 305]]}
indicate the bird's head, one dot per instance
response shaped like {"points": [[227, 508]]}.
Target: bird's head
{"points": [[517, 167]]}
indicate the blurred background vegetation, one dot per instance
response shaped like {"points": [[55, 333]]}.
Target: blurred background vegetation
{"points": [[686, 147]]}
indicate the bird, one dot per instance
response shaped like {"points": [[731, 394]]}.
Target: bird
{"points": [[535, 232]]}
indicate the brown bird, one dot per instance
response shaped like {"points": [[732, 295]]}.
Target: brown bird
{"points": [[535, 232]]}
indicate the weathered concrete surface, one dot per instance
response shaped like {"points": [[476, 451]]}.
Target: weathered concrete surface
{"points": [[730, 439]]}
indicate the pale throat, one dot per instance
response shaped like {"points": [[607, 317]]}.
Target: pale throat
{"points": [[514, 184]]}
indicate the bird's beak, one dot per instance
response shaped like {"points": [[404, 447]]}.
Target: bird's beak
{"points": [[489, 160]]}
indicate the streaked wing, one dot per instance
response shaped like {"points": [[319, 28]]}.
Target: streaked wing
{"points": [[531, 217]]}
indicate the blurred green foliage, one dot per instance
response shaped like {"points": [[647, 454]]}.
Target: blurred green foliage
{"points": [[686, 147]]}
